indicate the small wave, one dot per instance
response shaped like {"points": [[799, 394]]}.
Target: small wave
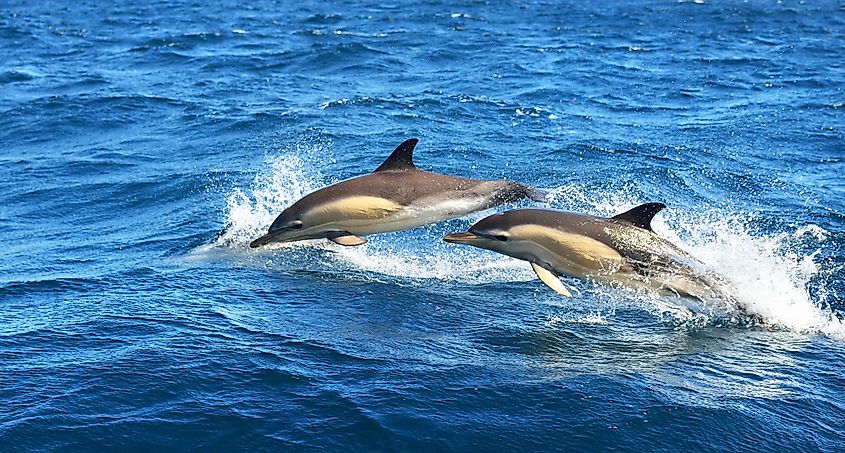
{"points": [[323, 19], [359, 34], [381, 102], [184, 40], [589, 318], [45, 285], [19, 75]]}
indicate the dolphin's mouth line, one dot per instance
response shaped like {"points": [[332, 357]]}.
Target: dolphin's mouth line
{"points": [[461, 238], [472, 236], [320, 234]]}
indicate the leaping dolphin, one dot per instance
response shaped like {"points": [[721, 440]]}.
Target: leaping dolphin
{"points": [[396, 196], [620, 249]]}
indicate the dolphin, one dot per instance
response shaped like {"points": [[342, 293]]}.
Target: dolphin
{"points": [[396, 196], [621, 249]]}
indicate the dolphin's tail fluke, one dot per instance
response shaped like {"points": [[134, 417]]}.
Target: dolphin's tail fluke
{"points": [[715, 292]]}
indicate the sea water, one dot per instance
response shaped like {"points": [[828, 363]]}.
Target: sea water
{"points": [[145, 144]]}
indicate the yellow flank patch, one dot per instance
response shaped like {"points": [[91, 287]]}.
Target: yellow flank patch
{"points": [[574, 248], [357, 208]]}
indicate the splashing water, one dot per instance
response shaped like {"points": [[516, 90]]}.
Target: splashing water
{"points": [[769, 275], [289, 178]]}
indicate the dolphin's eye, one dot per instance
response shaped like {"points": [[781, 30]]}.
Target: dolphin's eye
{"points": [[489, 235], [296, 225]]}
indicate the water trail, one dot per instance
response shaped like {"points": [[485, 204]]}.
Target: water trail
{"points": [[416, 255], [769, 274]]}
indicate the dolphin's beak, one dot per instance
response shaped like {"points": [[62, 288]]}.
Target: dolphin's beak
{"points": [[461, 238], [261, 241], [275, 236]]}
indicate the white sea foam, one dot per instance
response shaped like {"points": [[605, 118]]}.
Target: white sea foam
{"points": [[771, 277], [250, 211], [769, 274], [579, 318]]}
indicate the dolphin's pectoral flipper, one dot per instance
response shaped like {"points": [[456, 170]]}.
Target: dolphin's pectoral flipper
{"points": [[345, 238], [402, 158], [550, 279], [641, 215]]}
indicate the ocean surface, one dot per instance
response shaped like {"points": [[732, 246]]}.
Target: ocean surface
{"points": [[143, 145]]}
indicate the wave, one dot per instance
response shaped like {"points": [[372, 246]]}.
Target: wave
{"points": [[777, 277]]}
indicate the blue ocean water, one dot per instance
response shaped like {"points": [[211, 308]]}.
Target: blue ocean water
{"points": [[134, 133]]}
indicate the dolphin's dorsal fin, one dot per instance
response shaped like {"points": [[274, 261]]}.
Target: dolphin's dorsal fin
{"points": [[641, 215], [402, 158]]}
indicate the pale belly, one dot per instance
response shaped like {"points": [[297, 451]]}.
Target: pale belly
{"points": [[684, 282], [590, 260]]}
